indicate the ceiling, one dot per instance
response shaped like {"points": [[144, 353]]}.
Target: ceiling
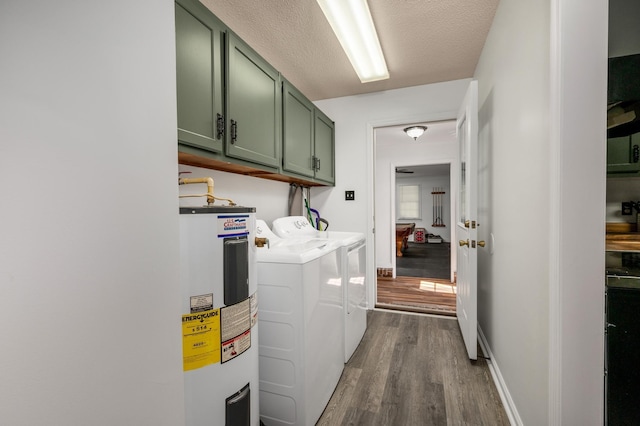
{"points": [[438, 132], [425, 170], [424, 41]]}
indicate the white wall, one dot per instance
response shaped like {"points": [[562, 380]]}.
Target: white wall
{"points": [[578, 113], [270, 198], [541, 283], [514, 150], [89, 293], [355, 118]]}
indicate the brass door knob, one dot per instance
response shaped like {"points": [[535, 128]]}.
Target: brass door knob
{"points": [[481, 243], [464, 243], [466, 223]]}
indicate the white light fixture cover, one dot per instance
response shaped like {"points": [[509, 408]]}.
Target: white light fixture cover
{"points": [[415, 131], [353, 25]]}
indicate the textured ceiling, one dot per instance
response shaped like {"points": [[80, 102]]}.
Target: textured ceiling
{"points": [[424, 41]]}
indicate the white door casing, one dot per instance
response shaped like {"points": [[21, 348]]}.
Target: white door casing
{"points": [[466, 220]]}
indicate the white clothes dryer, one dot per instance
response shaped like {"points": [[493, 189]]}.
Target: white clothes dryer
{"points": [[301, 336], [353, 267]]}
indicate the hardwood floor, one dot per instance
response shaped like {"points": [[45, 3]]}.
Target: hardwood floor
{"points": [[410, 291], [413, 370], [426, 295]]}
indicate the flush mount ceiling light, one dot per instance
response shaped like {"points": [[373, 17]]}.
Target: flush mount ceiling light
{"points": [[352, 23], [415, 131]]}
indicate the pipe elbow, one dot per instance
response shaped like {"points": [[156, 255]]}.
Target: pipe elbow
{"points": [[207, 180]]}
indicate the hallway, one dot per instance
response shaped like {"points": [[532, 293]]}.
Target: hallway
{"points": [[413, 370]]}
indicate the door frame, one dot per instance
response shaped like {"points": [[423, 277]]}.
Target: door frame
{"points": [[452, 206], [578, 60], [372, 290]]}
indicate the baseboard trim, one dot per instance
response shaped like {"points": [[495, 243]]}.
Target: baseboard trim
{"points": [[501, 386], [416, 309], [422, 314]]}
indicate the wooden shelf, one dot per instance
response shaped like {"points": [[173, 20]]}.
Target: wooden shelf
{"points": [[225, 166]]}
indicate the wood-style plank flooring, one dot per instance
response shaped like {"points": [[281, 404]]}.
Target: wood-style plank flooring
{"points": [[413, 370], [426, 295]]}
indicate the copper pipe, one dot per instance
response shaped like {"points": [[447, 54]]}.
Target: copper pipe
{"points": [[207, 180]]}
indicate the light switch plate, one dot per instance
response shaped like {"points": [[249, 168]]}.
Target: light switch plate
{"points": [[349, 195]]}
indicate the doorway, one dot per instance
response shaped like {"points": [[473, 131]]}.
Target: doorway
{"points": [[415, 271]]}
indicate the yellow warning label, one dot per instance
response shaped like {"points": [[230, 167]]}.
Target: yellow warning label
{"points": [[200, 339]]}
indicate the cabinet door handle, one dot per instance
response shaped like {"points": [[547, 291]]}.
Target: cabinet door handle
{"points": [[234, 131], [219, 126], [317, 163], [636, 153]]}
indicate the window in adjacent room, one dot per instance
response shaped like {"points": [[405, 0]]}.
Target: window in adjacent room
{"points": [[408, 202]]}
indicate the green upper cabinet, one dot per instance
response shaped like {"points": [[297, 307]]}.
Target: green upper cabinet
{"points": [[307, 138], [297, 133], [236, 114], [324, 131], [200, 95], [253, 106], [623, 155]]}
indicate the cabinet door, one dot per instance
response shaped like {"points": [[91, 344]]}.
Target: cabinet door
{"points": [[198, 75], [623, 154], [297, 132], [324, 147], [253, 106]]}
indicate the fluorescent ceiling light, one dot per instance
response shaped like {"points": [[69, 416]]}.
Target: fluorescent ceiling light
{"points": [[352, 23]]}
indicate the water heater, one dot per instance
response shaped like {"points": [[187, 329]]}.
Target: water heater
{"points": [[219, 315]]}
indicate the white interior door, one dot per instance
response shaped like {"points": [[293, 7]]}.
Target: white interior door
{"points": [[466, 220]]}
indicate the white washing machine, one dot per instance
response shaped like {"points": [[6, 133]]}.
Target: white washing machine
{"points": [[218, 277], [301, 334], [353, 267]]}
